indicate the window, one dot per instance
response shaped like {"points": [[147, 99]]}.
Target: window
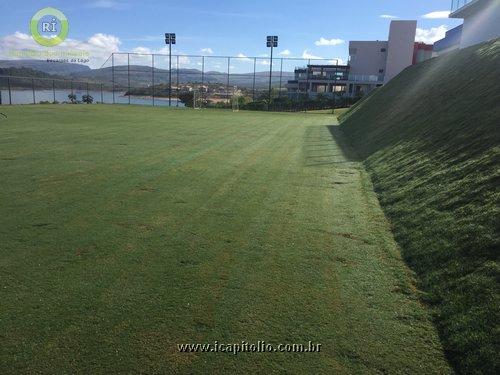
{"points": [[383, 50]]}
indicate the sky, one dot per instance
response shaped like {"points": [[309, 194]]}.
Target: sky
{"points": [[306, 29]]}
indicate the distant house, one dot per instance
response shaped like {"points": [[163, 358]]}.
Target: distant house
{"points": [[371, 64]]}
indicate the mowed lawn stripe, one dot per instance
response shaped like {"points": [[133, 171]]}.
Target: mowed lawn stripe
{"points": [[131, 229]]}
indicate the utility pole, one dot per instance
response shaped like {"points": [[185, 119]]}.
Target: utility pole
{"points": [[169, 39], [271, 41]]}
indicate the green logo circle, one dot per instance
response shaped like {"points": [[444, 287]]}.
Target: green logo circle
{"points": [[55, 35]]}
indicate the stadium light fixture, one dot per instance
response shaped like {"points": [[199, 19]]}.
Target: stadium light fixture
{"points": [[271, 42], [169, 40]]}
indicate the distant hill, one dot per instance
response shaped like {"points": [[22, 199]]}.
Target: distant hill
{"points": [[141, 75], [45, 66]]}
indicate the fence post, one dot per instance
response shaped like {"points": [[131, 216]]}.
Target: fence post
{"points": [[33, 87], [227, 84], [128, 76], [202, 75], [307, 83], [253, 85], [102, 97], [281, 76], [10, 92], [177, 91], [54, 91], [153, 77], [113, 75]]}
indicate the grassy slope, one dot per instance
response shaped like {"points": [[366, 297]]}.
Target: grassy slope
{"points": [[431, 141], [127, 230]]}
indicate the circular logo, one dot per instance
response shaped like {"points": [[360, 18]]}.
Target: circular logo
{"points": [[49, 27]]}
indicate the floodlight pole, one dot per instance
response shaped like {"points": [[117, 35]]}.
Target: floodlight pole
{"points": [[272, 41], [270, 76], [169, 74], [170, 39]]}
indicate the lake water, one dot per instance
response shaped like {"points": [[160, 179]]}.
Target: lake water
{"points": [[26, 97]]}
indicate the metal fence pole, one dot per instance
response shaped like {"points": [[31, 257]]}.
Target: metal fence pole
{"points": [[112, 76], [10, 91], [202, 75], [102, 96], [307, 83], [253, 85], [281, 76], [33, 87], [87, 88], [227, 84], [177, 91], [128, 76], [153, 77], [53, 91]]}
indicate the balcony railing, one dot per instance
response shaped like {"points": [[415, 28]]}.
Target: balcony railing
{"points": [[369, 78], [366, 78], [457, 4]]}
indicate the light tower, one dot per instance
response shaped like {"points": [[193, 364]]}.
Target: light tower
{"points": [[170, 39], [272, 42]]}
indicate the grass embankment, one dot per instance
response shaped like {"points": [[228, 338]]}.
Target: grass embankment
{"points": [[431, 142], [128, 230]]}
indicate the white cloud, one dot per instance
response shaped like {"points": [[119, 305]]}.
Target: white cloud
{"points": [[242, 57], [100, 40], [99, 46], [390, 16], [207, 50], [105, 4], [329, 42], [307, 55], [143, 50], [431, 35], [285, 52], [437, 14], [337, 60], [145, 38]]}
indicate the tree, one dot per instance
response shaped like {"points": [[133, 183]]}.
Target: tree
{"points": [[72, 98], [187, 98], [87, 99]]}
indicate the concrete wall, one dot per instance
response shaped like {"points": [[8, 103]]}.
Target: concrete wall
{"points": [[366, 57], [400, 47], [481, 21]]}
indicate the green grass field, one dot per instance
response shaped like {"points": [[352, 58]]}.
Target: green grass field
{"points": [[128, 230], [432, 148]]}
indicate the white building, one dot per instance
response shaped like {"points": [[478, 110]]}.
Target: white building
{"points": [[371, 64], [481, 20]]}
